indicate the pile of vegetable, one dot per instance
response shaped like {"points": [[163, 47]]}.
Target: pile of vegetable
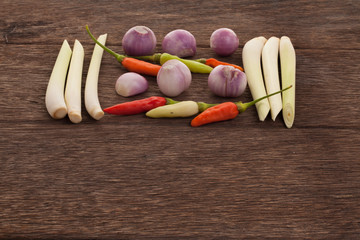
{"points": [[174, 76]]}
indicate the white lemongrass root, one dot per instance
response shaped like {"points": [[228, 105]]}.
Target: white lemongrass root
{"points": [[288, 74], [251, 56], [73, 84], [92, 103], [54, 97], [269, 58]]}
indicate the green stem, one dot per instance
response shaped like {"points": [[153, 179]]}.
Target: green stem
{"points": [[170, 101], [243, 106], [118, 57], [152, 58], [203, 106], [201, 60]]}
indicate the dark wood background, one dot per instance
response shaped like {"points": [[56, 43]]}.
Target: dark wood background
{"points": [[139, 178]]}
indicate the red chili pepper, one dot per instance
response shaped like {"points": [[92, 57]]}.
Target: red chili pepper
{"points": [[221, 112], [137, 106], [212, 62]]}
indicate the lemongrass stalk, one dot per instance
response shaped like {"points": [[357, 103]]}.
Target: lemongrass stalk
{"points": [[73, 84], [54, 97], [251, 56], [92, 103], [288, 74], [269, 58]]}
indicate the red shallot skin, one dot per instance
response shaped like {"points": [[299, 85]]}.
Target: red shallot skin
{"points": [[139, 41], [173, 78], [224, 41], [227, 81], [130, 84], [180, 43]]}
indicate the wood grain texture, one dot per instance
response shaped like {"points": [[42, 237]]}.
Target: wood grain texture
{"points": [[138, 178]]}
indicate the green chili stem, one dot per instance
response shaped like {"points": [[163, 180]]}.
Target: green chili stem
{"points": [[201, 60], [170, 101], [151, 58], [203, 106], [118, 57], [243, 106]]}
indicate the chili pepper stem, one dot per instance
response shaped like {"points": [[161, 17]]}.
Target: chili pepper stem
{"points": [[243, 106], [118, 57], [201, 60], [170, 101], [203, 106], [152, 58]]}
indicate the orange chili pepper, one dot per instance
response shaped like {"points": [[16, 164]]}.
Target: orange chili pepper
{"points": [[212, 62], [224, 111], [142, 67], [221, 112], [131, 64]]}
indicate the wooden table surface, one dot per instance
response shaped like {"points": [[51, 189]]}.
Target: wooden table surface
{"points": [[138, 178]]}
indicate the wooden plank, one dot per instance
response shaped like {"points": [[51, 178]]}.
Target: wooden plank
{"points": [[138, 178], [314, 24], [205, 186]]}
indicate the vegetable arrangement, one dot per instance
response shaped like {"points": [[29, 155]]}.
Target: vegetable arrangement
{"points": [[174, 75]]}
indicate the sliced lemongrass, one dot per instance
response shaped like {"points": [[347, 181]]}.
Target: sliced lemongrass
{"points": [[288, 74], [269, 58], [73, 84], [54, 97], [251, 56], [92, 103]]}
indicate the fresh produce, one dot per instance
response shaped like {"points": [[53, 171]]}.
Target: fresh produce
{"points": [[224, 41], [180, 109], [139, 41], [131, 64], [173, 78], [136, 107], [271, 74], [130, 84], [212, 62], [73, 84], [54, 97], [180, 43], [221, 112], [92, 103], [225, 111], [227, 81], [251, 59], [193, 65], [288, 74]]}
